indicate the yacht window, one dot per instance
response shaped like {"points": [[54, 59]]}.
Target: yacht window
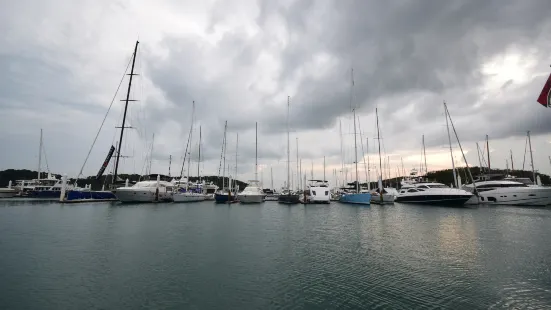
{"points": [[326, 193], [438, 186], [412, 190], [420, 189], [314, 193], [422, 186]]}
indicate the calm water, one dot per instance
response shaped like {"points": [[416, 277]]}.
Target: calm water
{"points": [[207, 256]]}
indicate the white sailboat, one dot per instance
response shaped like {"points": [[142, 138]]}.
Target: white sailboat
{"points": [[190, 194], [253, 193]]}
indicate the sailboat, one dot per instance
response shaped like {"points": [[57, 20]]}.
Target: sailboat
{"points": [[355, 197], [253, 193], [191, 195], [287, 196], [227, 194]]}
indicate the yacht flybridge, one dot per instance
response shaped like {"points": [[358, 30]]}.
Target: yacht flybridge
{"points": [[433, 194], [318, 192]]}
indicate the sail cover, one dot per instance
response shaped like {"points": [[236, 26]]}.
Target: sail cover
{"points": [[105, 163], [545, 97]]}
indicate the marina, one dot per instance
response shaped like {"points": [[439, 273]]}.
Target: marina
{"points": [[305, 256], [275, 155]]}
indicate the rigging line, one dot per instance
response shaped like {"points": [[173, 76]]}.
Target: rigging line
{"points": [[45, 157], [104, 118]]}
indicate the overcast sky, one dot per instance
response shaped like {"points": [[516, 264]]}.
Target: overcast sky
{"points": [[61, 63]]}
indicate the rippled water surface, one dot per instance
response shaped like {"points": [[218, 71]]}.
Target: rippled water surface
{"points": [[270, 256]]}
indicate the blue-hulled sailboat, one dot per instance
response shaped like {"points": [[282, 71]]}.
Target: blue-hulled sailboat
{"points": [[355, 197]]}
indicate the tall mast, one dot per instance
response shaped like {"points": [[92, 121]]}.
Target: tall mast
{"points": [[272, 178], [324, 168], [425, 156], [379, 140], [125, 110], [40, 154], [355, 138], [403, 171], [298, 168], [169, 163], [288, 147], [368, 172], [256, 151], [151, 153], [236, 145], [450, 142], [488, 152], [199, 157], [190, 141], [512, 165], [224, 155], [342, 154], [300, 174], [312, 170], [478, 153], [531, 156]]}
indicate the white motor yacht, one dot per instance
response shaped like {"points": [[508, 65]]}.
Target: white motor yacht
{"points": [[253, 193], [317, 192], [433, 194], [146, 191], [507, 192]]}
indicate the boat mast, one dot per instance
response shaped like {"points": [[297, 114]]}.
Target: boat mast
{"points": [[488, 152], [460, 147], [512, 165], [355, 138], [224, 155], [256, 151], [298, 168], [125, 110], [450, 143], [151, 153], [312, 170], [342, 154], [235, 178], [368, 173], [169, 164], [40, 154], [425, 156], [323, 168], [288, 147], [272, 178], [199, 158], [531, 156], [190, 142], [380, 162]]}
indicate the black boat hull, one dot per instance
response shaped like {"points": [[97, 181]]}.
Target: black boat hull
{"points": [[437, 200], [288, 199]]}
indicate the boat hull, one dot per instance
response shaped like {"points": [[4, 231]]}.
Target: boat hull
{"points": [[361, 198], [224, 198], [188, 197], [523, 196], [438, 200], [250, 198], [387, 199], [142, 196], [73, 196], [7, 192], [288, 199]]}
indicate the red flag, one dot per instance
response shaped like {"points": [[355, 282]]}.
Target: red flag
{"points": [[545, 97]]}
